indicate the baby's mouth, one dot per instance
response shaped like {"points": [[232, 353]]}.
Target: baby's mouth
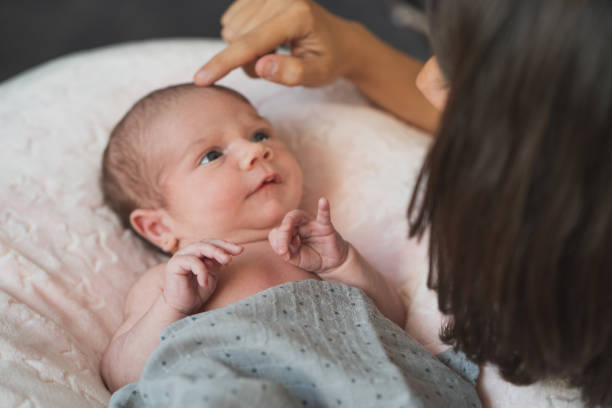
{"points": [[270, 179]]}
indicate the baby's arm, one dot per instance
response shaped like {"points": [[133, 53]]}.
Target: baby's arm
{"points": [[165, 294], [316, 246], [146, 315], [356, 271]]}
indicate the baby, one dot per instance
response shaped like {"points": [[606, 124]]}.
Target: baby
{"points": [[200, 175]]}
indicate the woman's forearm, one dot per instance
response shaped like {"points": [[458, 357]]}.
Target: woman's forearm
{"points": [[388, 78], [130, 348]]}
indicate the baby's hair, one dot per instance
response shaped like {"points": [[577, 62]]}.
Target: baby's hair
{"points": [[130, 178]]}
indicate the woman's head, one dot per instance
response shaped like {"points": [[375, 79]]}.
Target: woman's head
{"points": [[516, 189]]}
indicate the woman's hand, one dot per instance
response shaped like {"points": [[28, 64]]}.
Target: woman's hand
{"points": [[324, 47], [319, 42], [191, 273], [312, 245]]}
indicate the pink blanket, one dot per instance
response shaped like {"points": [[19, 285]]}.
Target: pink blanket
{"points": [[66, 264]]}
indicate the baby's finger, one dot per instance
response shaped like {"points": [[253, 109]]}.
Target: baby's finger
{"points": [[201, 280], [211, 266], [323, 212], [279, 241], [203, 250], [210, 250], [295, 244], [190, 264], [185, 265], [293, 219], [230, 247]]}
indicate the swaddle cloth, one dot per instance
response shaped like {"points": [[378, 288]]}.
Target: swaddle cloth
{"points": [[300, 344]]}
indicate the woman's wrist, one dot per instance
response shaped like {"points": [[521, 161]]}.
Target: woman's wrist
{"points": [[355, 53], [387, 77]]}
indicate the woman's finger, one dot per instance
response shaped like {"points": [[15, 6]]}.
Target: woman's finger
{"points": [[234, 9], [282, 69], [250, 19], [236, 25], [262, 40], [249, 69]]}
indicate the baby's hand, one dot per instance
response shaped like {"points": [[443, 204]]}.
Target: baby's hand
{"points": [[191, 273], [313, 245]]}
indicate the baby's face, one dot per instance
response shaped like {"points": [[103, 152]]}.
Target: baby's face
{"points": [[224, 172]]}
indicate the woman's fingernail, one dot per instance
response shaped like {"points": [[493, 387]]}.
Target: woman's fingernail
{"points": [[270, 68], [202, 77]]}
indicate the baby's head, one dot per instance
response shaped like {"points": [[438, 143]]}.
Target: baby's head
{"points": [[188, 163]]}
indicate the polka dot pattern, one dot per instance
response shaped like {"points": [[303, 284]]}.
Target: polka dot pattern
{"points": [[300, 344]]}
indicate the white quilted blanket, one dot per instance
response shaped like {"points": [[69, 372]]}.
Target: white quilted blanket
{"points": [[66, 264]]}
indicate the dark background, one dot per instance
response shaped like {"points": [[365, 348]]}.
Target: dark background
{"points": [[35, 31]]}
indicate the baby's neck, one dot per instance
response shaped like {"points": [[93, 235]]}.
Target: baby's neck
{"points": [[256, 269], [249, 237], [258, 259]]}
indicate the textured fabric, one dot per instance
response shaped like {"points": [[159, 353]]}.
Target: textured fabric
{"points": [[459, 362], [66, 264], [307, 343]]}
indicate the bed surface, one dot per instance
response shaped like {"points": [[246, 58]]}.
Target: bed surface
{"points": [[66, 264]]}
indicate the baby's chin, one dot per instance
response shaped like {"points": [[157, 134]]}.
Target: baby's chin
{"points": [[256, 231], [243, 235], [254, 227]]}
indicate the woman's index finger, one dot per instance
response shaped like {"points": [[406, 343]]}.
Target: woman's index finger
{"points": [[257, 42]]}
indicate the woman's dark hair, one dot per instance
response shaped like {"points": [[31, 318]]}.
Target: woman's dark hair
{"points": [[516, 191]]}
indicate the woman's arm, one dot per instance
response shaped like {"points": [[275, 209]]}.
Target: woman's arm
{"points": [[324, 47], [388, 78]]}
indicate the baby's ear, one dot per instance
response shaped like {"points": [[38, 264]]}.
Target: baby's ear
{"points": [[150, 225]]}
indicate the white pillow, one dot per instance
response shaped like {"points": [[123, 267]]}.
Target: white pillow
{"points": [[65, 262]]}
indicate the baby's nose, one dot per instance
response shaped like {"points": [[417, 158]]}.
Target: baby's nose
{"points": [[254, 152]]}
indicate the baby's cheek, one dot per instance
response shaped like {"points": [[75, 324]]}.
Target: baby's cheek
{"points": [[298, 184]]}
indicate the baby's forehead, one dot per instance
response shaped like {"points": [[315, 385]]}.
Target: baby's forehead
{"points": [[197, 104], [197, 114], [212, 96]]}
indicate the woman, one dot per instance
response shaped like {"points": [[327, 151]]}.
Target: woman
{"points": [[515, 191]]}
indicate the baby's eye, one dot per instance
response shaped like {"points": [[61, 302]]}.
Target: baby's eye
{"points": [[259, 136], [210, 156]]}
